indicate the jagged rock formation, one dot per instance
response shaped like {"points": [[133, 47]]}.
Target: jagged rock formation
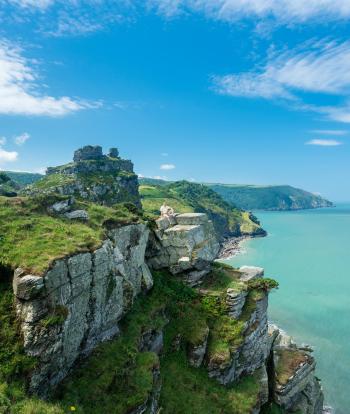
{"points": [[292, 370], [93, 176], [185, 244], [75, 305], [214, 326], [253, 351]]}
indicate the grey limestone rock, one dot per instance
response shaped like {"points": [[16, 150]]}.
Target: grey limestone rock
{"points": [[27, 287], [186, 244], [88, 152], [196, 352], [251, 272], [91, 292], [77, 215]]}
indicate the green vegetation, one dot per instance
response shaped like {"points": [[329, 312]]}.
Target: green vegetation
{"points": [[15, 366], [52, 181], [119, 375], [8, 187], [190, 390], [23, 178], [32, 238], [56, 317], [282, 197], [189, 197]]}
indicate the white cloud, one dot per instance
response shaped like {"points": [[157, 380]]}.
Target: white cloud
{"points": [[324, 142], [21, 139], [282, 11], [320, 68], [314, 68], [8, 156], [335, 132], [3, 141], [160, 177], [20, 93], [167, 167]]}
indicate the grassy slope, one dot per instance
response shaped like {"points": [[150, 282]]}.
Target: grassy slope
{"points": [[32, 239], [189, 197], [117, 377], [251, 197]]}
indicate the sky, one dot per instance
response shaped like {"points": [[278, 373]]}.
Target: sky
{"points": [[231, 91]]}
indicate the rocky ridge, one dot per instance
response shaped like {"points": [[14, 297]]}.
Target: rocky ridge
{"points": [[198, 317], [93, 176]]}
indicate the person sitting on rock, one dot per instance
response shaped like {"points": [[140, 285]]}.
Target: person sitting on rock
{"points": [[166, 211]]}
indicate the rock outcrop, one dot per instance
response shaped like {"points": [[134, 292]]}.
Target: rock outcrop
{"points": [[292, 370], [77, 304], [252, 353], [93, 176], [185, 244]]}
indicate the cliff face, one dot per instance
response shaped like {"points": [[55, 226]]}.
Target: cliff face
{"points": [[77, 304], [185, 244], [93, 176], [94, 329]]}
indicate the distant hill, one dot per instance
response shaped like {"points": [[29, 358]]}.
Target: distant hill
{"points": [[254, 197], [23, 178], [190, 197], [279, 197]]}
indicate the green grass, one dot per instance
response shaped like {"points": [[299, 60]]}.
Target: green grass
{"points": [[15, 366], [32, 239], [52, 181], [190, 390]]}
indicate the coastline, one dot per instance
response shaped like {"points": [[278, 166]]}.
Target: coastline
{"points": [[231, 247]]}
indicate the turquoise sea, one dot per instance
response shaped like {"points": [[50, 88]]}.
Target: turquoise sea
{"points": [[308, 252]]}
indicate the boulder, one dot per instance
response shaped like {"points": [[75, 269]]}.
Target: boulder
{"points": [[251, 272], [77, 215], [61, 206], [27, 287]]}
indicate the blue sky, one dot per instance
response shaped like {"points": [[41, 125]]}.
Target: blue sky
{"points": [[234, 91]]}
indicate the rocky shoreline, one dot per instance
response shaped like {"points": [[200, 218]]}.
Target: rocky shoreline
{"points": [[231, 246]]}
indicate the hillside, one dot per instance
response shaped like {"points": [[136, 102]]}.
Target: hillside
{"points": [[23, 178], [8, 187], [190, 197], [281, 197]]}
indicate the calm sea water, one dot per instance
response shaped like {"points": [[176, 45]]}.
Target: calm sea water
{"points": [[308, 252]]}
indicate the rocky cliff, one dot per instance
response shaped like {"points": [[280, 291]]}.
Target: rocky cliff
{"points": [[93, 176], [77, 304], [108, 312]]}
